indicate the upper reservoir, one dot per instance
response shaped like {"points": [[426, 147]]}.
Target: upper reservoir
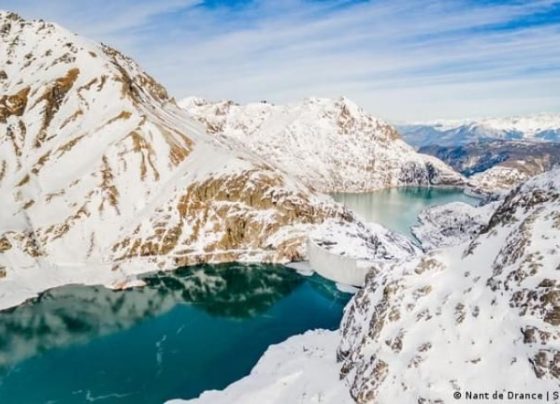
{"points": [[398, 208]]}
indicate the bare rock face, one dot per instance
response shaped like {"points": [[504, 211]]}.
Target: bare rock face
{"points": [[331, 145], [480, 317], [102, 176]]}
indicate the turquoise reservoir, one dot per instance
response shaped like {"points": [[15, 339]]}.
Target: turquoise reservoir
{"points": [[190, 330], [398, 208]]}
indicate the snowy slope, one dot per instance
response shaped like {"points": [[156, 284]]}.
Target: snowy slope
{"points": [[331, 145], [538, 127], [102, 176], [362, 242], [451, 224], [499, 179], [346, 253], [481, 316], [301, 369]]}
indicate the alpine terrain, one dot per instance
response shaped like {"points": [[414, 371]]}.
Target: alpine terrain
{"points": [[499, 153], [538, 127], [481, 316], [331, 145], [102, 176]]}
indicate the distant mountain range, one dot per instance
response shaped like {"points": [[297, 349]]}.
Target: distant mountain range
{"points": [[474, 158], [103, 177], [498, 153], [539, 127]]}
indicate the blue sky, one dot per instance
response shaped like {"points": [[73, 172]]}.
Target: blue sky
{"points": [[403, 60]]}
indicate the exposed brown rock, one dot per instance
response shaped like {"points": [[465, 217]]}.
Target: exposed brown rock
{"points": [[231, 203], [3, 169], [110, 191], [72, 118], [134, 86], [144, 148], [13, 105], [5, 244], [53, 98]]}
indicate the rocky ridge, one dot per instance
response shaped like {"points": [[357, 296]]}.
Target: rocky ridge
{"points": [[330, 145], [414, 331], [498, 166], [451, 224], [479, 316], [102, 176]]}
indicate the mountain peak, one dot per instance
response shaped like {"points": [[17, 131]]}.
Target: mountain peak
{"points": [[102, 176], [300, 139], [9, 15]]}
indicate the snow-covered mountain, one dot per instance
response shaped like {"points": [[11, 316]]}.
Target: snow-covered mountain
{"points": [[331, 145], [481, 316], [498, 165], [474, 158], [102, 176], [478, 316], [538, 127], [502, 178], [497, 153], [451, 224]]}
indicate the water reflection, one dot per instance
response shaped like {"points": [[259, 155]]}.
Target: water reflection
{"points": [[398, 208], [76, 314]]}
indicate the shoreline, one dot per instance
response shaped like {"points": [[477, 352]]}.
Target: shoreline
{"points": [[29, 283]]}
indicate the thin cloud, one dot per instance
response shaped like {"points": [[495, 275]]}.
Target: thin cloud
{"points": [[402, 60]]}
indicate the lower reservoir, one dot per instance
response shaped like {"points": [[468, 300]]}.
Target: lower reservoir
{"points": [[187, 331]]}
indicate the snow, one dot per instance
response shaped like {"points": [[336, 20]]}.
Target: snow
{"points": [[451, 224], [28, 282], [302, 267], [537, 127], [424, 325], [362, 242], [329, 144], [302, 369], [345, 252], [498, 179], [103, 177], [529, 125], [466, 317], [347, 288]]}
